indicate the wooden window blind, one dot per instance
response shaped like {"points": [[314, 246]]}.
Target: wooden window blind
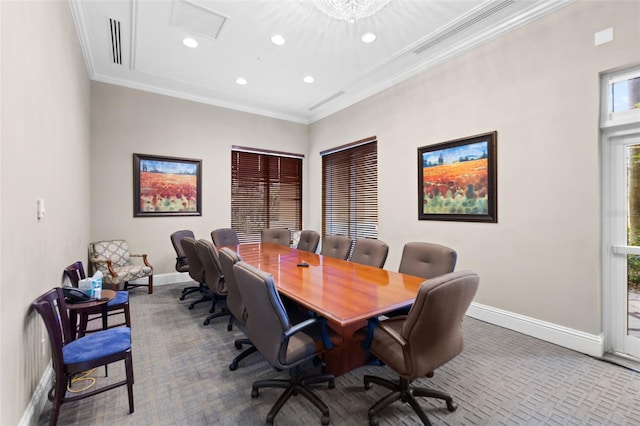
{"points": [[350, 190], [266, 192]]}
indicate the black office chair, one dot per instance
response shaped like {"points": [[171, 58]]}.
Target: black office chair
{"points": [[239, 315], [182, 262], [196, 270], [284, 345], [213, 278]]}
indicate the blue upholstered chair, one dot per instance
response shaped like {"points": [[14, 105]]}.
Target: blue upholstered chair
{"points": [[119, 305], [70, 357]]}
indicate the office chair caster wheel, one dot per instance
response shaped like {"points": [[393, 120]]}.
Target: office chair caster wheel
{"points": [[254, 393], [367, 385], [206, 322], [233, 366], [182, 297], [372, 422], [238, 345], [229, 327], [452, 406], [325, 419], [269, 422], [191, 306]]}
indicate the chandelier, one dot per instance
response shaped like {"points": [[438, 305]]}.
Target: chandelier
{"points": [[349, 10]]}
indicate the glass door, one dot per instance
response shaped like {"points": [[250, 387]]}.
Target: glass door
{"points": [[622, 229]]}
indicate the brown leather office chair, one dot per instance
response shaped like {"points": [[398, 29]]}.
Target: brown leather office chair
{"points": [[228, 258], [217, 289], [70, 357], [309, 240], [337, 246], [224, 237], [119, 305], [280, 236], [369, 251], [284, 345], [427, 260], [196, 270], [417, 344], [113, 258]]}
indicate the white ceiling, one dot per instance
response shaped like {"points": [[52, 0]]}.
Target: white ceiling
{"points": [[412, 35]]}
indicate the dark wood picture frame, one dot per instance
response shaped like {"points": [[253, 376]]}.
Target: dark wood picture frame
{"points": [[166, 186], [457, 180]]}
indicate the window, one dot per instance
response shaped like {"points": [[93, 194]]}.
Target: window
{"points": [[622, 92], [266, 192], [350, 190]]}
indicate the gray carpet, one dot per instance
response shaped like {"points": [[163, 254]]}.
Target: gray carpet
{"points": [[501, 378]]}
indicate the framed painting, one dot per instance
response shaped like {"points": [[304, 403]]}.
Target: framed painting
{"points": [[457, 180], [166, 186]]}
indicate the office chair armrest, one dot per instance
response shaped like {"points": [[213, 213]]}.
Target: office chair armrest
{"points": [[144, 259], [393, 334], [112, 272], [311, 321], [300, 326]]}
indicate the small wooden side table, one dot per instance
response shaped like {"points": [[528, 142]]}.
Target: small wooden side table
{"points": [[87, 308]]}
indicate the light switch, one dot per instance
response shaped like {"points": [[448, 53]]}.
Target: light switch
{"points": [[41, 210]]}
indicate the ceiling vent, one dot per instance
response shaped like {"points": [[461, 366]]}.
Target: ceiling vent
{"points": [[116, 42], [329, 99], [197, 19], [449, 32]]}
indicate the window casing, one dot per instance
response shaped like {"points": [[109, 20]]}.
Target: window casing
{"points": [[266, 192], [622, 94], [350, 190]]}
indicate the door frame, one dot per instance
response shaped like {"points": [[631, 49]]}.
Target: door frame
{"points": [[614, 248]]}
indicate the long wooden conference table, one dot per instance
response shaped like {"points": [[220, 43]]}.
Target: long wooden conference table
{"points": [[343, 292]]}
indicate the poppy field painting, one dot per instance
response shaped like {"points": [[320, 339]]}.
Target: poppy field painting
{"points": [[166, 186], [457, 180]]}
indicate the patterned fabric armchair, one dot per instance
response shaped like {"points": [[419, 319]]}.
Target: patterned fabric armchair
{"points": [[112, 257]]}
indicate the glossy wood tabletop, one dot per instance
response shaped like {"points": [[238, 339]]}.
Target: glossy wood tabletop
{"points": [[345, 293]]}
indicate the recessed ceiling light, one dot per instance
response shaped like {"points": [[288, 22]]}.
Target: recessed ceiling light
{"points": [[278, 40], [308, 79], [368, 37], [190, 42], [241, 81]]}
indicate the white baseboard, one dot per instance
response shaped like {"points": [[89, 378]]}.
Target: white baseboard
{"points": [[165, 279], [589, 344], [38, 399]]}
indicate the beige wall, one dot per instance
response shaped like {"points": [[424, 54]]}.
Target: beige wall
{"points": [[125, 121], [539, 88], [44, 154]]}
